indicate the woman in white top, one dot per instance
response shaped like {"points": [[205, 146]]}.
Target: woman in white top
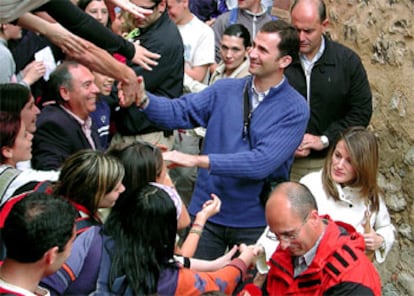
{"points": [[234, 48], [347, 190]]}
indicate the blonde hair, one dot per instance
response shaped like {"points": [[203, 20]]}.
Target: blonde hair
{"points": [[362, 148], [87, 176]]}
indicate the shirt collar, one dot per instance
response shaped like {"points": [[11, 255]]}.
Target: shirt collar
{"points": [[310, 255], [267, 91], [305, 60], [86, 123]]}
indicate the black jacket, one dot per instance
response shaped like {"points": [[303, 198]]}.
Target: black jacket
{"points": [[166, 79], [58, 135], [340, 92]]}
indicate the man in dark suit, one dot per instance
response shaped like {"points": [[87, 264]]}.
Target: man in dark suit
{"points": [[66, 127]]}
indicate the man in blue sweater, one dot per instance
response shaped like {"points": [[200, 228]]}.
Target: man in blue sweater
{"points": [[254, 126]]}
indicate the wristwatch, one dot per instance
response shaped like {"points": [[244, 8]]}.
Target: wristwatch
{"points": [[325, 141], [144, 102]]}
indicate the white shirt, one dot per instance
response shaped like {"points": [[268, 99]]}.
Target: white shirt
{"points": [[198, 40], [21, 291], [307, 66], [24, 177]]}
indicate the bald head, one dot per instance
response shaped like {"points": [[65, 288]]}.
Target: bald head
{"points": [[292, 215], [309, 19], [295, 197], [312, 6]]}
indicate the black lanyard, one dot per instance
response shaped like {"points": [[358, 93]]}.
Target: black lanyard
{"points": [[247, 114]]}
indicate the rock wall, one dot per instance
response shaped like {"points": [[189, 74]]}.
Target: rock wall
{"points": [[382, 33]]}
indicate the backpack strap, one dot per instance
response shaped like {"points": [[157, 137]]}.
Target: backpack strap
{"points": [[44, 186], [7, 176], [84, 223], [233, 14]]}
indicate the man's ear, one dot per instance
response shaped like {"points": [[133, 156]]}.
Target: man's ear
{"points": [[51, 255], [325, 24], [248, 48], [64, 93], [314, 217], [285, 61], [162, 6]]}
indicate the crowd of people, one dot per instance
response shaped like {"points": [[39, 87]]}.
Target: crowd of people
{"points": [[183, 147]]}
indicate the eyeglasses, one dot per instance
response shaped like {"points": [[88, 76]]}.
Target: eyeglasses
{"points": [[286, 237], [151, 7]]}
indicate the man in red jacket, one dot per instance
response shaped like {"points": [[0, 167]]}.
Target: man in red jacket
{"points": [[315, 255]]}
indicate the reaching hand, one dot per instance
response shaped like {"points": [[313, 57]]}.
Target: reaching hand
{"points": [[144, 57], [212, 207], [131, 92], [33, 71], [222, 261], [178, 159], [130, 7], [247, 254], [70, 44]]}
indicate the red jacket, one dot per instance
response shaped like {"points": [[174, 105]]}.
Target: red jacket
{"points": [[340, 267]]}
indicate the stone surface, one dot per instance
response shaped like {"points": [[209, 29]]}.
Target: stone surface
{"points": [[382, 33]]}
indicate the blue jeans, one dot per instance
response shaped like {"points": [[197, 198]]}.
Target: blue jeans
{"points": [[217, 239]]}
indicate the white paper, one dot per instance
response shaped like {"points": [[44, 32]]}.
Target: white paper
{"points": [[46, 56]]}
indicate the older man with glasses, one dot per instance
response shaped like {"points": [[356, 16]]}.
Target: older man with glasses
{"points": [[314, 255]]}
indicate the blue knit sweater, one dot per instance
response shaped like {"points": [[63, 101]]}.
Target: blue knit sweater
{"points": [[237, 170]]}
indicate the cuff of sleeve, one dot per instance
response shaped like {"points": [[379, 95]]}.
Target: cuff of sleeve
{"points": [[24, 83], [128, 50], [240, 265]]}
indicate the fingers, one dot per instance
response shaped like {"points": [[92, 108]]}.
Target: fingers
{"points": [[232, 251], [216, 201], [139, 12], [162, 147], [79, 45], [37, 66], [134, 9], [144, 57], [141, 82], [125, 96], [152, 55], [243, 247], [213, 205], [258, 250], [146, 63]]}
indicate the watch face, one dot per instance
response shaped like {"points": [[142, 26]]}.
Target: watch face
{"points": [[325, 141]]}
